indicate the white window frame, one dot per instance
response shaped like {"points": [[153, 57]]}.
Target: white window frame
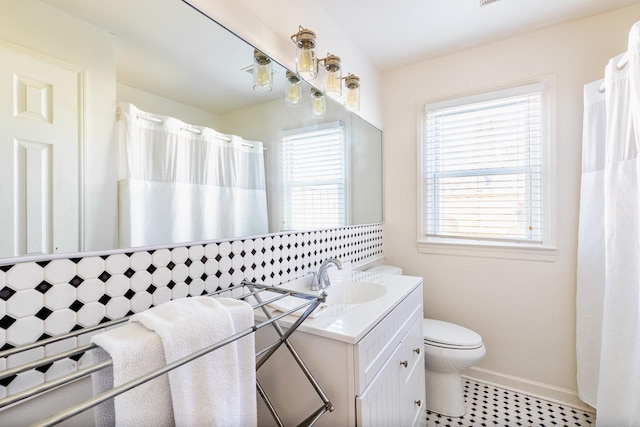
{"points": [[284, 225], [544, 251]]}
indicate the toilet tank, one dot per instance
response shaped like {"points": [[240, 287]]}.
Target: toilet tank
{"points": [[385, 269]]}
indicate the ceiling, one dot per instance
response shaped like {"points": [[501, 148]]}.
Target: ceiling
{"points": [[401, 32]]}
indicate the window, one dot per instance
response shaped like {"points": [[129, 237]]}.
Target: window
{"points": [[486, 170], [313, 175]]}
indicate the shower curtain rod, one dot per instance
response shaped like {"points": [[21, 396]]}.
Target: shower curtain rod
{"points": [[619, 66], [193, 130]]}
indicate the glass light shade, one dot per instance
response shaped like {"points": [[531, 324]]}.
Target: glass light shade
{"points": [[262, 72], [333, 83], [332, 76], [317, 103], [306, 63], [293, 91], [352, 97], [305, 41]]}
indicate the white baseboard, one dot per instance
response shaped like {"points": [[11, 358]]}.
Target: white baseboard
{"points": [[544, 391]]}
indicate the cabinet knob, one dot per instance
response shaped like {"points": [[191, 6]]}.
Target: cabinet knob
{"points": [[418, 402], [417, 350], [404, 363]]}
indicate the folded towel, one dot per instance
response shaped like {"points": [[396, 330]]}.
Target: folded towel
{"points": [[206, 391], [290, 302], [134, 351]]}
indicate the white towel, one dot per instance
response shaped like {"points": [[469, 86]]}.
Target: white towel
{"points": [[242, 316], [290, 302], [134, 351], [206, 391]]}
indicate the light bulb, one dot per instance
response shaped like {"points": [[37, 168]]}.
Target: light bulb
{"points": [[317, 104], [305, 41], [262, 71], [333, 86], [352, 100], [332, 75], [293, 94], [262, 76], [306, 64]]}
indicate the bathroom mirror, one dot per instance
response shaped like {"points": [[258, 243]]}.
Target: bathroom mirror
{"points": [[166, 58]]}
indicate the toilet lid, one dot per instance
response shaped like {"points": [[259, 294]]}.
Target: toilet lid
{"points": [[449, 334]]}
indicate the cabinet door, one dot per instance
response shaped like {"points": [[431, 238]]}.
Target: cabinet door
{"points": [[412, 376], [412, 397], [378, 405]]}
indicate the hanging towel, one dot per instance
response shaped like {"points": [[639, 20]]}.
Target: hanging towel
{"points": [[290, 302], [242, 317], [206, 391], [134, 351]]}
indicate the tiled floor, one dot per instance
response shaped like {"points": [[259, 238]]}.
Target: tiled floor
{"points": [[491, 406]]}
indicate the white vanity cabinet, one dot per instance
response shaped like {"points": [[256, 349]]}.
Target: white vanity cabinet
{"points": [[394, 393], [372, 379]]}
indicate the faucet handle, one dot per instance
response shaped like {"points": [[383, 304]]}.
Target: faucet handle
{"points": [[315, 286]]}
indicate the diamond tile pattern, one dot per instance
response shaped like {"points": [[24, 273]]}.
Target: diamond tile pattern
{"points": [[492, 406], [53, 297]]}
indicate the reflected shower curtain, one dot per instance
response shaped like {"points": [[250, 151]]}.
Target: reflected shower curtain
{"points": [[614, 384], [181, 183]]}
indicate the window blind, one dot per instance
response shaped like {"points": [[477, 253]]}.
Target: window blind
{"points": [[483, 165], [312, 172]]}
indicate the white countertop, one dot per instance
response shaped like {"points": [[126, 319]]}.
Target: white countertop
{"points": [[351, 322]]}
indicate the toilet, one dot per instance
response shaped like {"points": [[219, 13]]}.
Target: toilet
{"points": [[449, 349]]}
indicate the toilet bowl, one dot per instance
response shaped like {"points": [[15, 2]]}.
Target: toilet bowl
{"points": [[449, 349]]}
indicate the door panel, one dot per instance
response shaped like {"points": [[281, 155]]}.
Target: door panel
{"points": [[39, 155]]}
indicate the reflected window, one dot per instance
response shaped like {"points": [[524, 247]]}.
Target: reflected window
{"points": [[313, 177]]}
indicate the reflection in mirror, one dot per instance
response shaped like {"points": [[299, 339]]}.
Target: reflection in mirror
{"points": [[70, 63]]}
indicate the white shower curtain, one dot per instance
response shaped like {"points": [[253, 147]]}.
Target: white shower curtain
{"points": [[182, 183], [608, 298], [591, 255]]}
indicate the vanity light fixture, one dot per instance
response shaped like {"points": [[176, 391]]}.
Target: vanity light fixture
{"points": [[352, 98], [317, 103], [262, 72], [292, 93], [332, 76], [305, 41]]}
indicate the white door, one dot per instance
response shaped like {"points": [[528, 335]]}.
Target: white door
{"points": [[39, 155]]}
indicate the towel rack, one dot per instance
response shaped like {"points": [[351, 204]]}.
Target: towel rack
{"points": [[243, 292]]}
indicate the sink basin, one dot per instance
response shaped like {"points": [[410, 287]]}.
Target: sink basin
{"points": [[354, 292]]}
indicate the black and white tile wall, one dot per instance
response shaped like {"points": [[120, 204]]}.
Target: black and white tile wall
{"points": [[52, 297]]}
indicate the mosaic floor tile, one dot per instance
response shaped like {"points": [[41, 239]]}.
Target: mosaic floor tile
{"points": [[492, 406]]}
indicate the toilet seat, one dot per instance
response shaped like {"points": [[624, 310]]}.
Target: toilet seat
{"points": [[449, 335]]}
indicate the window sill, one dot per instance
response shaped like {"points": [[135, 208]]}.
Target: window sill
{"points": [[517, 252]]}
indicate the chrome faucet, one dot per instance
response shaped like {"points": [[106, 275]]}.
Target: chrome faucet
{"points": [[321, 279]]}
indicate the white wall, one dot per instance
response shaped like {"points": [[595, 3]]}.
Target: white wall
{"points": [[153, 103], [268, 25], [524, 310]]}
